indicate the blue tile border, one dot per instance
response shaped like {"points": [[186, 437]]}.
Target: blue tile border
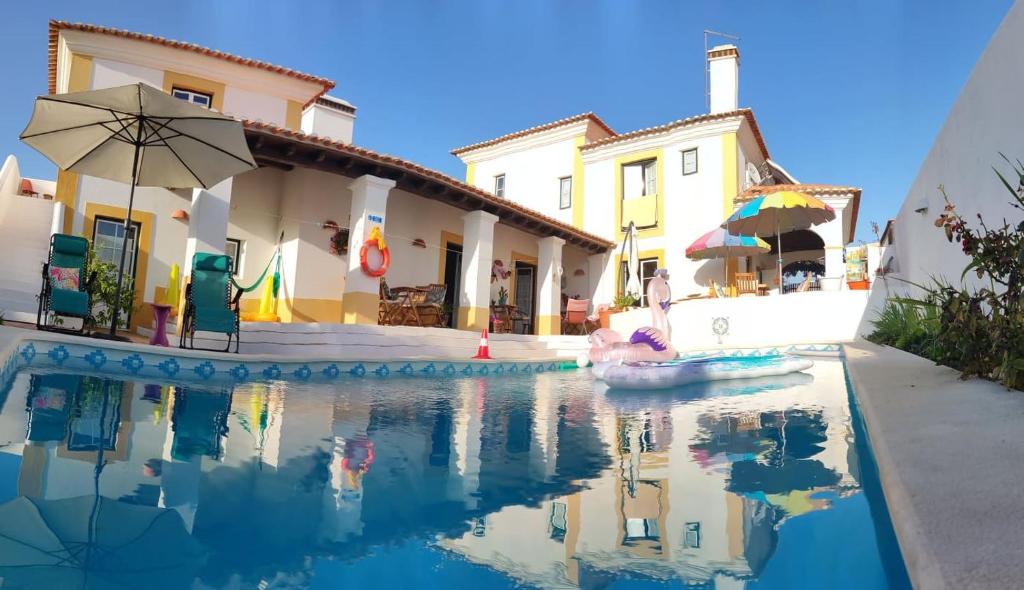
{"points": [[166, 365]]}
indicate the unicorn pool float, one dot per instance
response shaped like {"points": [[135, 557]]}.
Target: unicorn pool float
{"points": [[649, 361]]}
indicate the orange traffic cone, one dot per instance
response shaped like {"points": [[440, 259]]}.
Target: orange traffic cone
{"points": [[483, 352]]}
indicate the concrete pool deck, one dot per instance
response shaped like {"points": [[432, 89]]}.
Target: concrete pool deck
{"points": [[948, 454]]}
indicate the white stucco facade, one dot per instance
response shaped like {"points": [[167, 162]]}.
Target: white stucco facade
{"points": [[981, 125]]}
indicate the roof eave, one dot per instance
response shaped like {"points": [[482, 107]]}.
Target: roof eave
{"points": [[415, 179]]}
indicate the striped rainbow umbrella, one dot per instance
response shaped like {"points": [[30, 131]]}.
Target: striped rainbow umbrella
{"points": [[719, 243], [777, 213]]}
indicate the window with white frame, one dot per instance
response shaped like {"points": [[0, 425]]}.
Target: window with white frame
{"points": [[648, 266], [197, 98], [499, 185], [565, 192], [689, 161], [233, 249], [639, 179]]}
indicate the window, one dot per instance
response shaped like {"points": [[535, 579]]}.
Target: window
{"points": [[233, 249], [689, 162], [647, 268], [565, 192], [107, 236], [499, 185], [691, 538], [196, 98], [558, 523], [639, 179], [642, 528]]}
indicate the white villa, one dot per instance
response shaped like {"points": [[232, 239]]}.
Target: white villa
{"points": [[674, 182], [550, 202]]}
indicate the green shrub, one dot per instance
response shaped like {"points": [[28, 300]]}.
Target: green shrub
{"points": [[907, 326], [978, 330]]}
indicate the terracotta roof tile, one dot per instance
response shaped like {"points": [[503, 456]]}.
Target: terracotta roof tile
{"points": [[347, 148], [56, 26], [536, 129], [811, 189], [697, 120]]}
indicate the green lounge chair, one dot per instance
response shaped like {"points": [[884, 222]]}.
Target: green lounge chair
{"points": [[209, 306], [68, 256]]}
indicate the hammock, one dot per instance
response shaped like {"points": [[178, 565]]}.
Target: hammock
{"points": [[276, 256]]}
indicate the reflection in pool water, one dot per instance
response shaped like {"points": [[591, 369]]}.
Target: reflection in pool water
{"points": [[538, 481]]}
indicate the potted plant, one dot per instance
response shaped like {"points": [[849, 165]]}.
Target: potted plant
{"points": [[619, 303], [503, 296]]}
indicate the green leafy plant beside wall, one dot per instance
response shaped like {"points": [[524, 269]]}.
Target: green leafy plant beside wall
{"points": [[104, 287], [978, 330]]}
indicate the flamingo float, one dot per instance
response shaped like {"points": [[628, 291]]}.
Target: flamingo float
{"points": [[648, 344]]}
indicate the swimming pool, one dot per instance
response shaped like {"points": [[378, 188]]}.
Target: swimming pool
{"points": [[541, 480]]}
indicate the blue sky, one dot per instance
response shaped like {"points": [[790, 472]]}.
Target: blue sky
{"points": [[845, 92]]}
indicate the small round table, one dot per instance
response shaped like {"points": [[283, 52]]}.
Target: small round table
{"points": [[160, 314]]}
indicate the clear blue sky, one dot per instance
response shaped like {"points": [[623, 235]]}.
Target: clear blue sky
{"points": [[845, 92]]}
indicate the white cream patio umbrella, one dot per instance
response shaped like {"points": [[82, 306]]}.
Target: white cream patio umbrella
{"points": [[139, 135], [631, 255]]}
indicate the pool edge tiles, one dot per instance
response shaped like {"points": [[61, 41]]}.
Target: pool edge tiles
{"points": [[48, 351], [239, 369]]}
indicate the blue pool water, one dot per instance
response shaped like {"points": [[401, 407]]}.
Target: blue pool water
{"points": [[542, 481]]}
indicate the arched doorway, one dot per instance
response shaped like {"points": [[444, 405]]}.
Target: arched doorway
{"points": [[798, 246]]}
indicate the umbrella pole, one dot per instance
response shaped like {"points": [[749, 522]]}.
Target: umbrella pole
{"points": [[778, 243], [124, 240]]}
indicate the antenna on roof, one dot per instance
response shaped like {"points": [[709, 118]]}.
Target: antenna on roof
{"points": [[707, 63]]}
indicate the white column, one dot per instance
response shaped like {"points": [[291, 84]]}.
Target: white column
{"points": [[208, 221], [549, 286], [477, 257], [602, 282], [369, 205], [832, 234]]}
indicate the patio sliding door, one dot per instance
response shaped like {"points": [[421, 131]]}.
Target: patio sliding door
{"points": [[107, 238], [525, 293]]}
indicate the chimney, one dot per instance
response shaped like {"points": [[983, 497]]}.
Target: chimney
{"points": [[330, 117], [724, 78]]}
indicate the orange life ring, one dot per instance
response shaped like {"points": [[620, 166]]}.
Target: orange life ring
{"points": [[376, 240]]}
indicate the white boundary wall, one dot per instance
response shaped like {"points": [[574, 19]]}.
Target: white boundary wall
{"points": [[984, 122], [756, 322]]}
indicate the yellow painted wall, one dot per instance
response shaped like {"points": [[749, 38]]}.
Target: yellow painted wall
{"points": [[577, 184], [293, 117], [730, 188], [470, 173], [196, 84], [79, 80]]}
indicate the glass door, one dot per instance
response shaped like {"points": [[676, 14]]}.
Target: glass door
{"points": [[525, 291], [107, 238]]}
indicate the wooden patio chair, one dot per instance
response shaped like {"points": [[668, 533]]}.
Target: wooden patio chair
{"points": [[575, 318], [746, 284], [501, 319], [429, 306], [392, 309]]}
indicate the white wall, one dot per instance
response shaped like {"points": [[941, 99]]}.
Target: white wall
{"points": [[531, 176], [255, 220], [983, 122], [252, 105], [26, 223], [776, 320]]}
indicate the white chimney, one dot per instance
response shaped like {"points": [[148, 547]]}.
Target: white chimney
{"points": [[330, 117], [724, 78]]}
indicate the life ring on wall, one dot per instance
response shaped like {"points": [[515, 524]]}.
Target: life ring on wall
{"points": [[376, 240]]}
